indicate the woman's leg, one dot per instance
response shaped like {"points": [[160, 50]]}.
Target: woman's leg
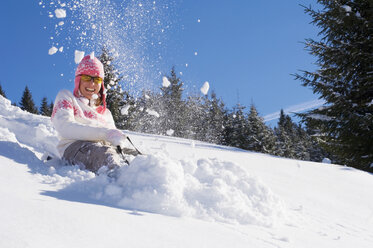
{"points": [[92, 155]]}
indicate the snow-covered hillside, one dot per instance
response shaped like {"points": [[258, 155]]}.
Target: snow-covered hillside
{"points": [[183, 193]]}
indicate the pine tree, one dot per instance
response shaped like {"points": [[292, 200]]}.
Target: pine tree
{"points": [[173, 107], [285, 136], [51, 106], [2, 93], [148, 117], [236, 125], [344, 79], [215, 120], [195, 118], [27, 103], [131, 113], [115, 96], [301, 143], [45, 108], [259, 137], [317, 153]]}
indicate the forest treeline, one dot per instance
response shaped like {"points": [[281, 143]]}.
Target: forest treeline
{"points": [[199, 117]]}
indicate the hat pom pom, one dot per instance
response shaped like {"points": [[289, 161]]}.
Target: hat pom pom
{"points": [[92, 55]]}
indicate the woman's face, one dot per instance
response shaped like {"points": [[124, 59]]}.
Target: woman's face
{"points": [[88, 87]]}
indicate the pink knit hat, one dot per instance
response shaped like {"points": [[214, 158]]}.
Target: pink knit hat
{"points": [[91, 66]]}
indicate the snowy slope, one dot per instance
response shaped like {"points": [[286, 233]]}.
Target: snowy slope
{"points": [[182, 194]]}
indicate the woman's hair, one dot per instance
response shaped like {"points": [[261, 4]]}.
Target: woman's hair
{"points": [[98, 101], [100, 95]]}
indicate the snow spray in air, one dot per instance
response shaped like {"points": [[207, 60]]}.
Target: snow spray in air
{"points": [[132, 31]]}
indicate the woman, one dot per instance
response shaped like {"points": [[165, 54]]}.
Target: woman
{"points": [[86, 129]]}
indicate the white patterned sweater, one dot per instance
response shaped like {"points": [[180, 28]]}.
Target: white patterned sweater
{"points": [[74, 119]]}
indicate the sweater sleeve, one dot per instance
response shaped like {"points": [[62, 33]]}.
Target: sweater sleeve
{"points": [[110, 119], [67, 127]]}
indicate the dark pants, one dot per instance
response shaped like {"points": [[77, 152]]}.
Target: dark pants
{"points": [[94, 155]]}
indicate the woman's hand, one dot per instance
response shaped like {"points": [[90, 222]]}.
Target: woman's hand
{"points": [[116, 137]]}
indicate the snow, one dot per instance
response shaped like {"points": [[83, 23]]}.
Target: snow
{"points": [[124, 109], [206, 189], [346, 8], [183, 193], [205, 88], [165, 82], [170, 132], [52, 50], [94, 23], [326, 161], [78, 56], [320, 117], [60, 13], [153, 113]]}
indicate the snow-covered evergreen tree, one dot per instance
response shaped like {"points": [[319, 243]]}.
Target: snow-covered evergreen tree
{"points": [[51, 105], [235, 131], [115, 96], [27, 103], [317, 153], [302, 143], [173, 107], [147, 113], [215, 120], [259, 137], [45, 108], [285, 136], [344, 79], [196, 118]]}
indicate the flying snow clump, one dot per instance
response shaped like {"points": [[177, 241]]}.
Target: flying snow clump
{"points": [[165, 82], [152, 112], [124, 110], [205, 88], [60, 13], [79, 55], [52, 50], [346, 8]]}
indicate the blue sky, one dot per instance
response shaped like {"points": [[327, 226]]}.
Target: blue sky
{"points": [[246, 50]]}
